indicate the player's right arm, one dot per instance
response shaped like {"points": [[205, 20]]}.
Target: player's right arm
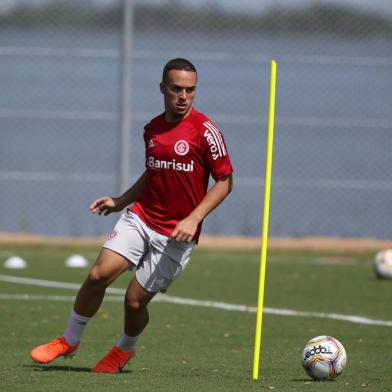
{"points": [[108, 204]]}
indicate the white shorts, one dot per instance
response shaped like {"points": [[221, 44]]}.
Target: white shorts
{"points": [[158, 260]]}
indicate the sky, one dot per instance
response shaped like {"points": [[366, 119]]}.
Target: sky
{"points": [[239, 6]]}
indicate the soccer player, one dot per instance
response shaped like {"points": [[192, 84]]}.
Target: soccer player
{"points": [[162, 221]]}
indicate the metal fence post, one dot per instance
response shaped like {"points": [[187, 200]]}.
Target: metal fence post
{"points": [[125, 131]]}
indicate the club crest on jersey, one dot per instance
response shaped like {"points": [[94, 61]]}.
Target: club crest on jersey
{"points": [[113, 234], [181, 147]]}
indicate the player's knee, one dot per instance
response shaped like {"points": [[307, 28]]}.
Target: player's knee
{"points": [[96, 279], [133, 304]]}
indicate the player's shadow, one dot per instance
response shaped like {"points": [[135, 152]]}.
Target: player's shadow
{"points": [[64, 368]]}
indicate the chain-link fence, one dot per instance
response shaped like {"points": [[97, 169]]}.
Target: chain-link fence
{"points": [[61, 73]]}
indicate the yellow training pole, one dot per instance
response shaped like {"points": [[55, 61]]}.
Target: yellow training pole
{"points": [[264, 235]]}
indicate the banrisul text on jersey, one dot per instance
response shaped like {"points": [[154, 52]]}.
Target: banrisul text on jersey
{"points": [[173, 164]]}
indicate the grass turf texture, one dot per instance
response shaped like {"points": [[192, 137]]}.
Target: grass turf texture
{"points": [[188, 348]]}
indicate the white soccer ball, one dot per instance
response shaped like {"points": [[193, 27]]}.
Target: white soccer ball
{"points": [[324, 358], [383, 264]]}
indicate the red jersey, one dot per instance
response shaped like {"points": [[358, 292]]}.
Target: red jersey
{"points": [[180, 157]]}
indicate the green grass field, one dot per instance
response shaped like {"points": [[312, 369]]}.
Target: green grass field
{"points": [[195, 348]]}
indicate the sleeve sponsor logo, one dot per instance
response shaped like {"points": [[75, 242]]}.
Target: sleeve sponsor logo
{"points": [[214, 140]]}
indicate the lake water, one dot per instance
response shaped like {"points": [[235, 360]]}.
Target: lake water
{"points": [[59, 128]]}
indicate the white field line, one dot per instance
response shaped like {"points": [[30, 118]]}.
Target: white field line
{"points": [[50, 283], [52, 298], [178, 301]]}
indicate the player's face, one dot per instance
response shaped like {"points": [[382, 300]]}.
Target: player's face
{"points": [[179, 91]]}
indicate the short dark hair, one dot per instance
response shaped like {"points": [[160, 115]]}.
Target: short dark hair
{"points": [[178, 64]]}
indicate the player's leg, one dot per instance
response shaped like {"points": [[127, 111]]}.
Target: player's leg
{"points": [[108, 266], [113, 260], [159, 267], [135, 320], [135, 308]]}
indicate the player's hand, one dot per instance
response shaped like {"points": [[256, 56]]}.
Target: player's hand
{"points": [[184, 230], [105, 205]]}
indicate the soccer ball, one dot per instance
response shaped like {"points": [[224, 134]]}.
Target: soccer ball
{"points": [[323, 358], [383, 264]]}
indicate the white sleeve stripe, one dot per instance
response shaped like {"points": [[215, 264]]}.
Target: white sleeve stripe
{"points": [[220, 138], [216, 139]]}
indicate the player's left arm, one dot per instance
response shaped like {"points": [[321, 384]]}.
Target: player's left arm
{"points": [[186, 228]]}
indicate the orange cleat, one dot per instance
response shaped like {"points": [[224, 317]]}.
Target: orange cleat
{"points": [[48, 352], [113, 361]]}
